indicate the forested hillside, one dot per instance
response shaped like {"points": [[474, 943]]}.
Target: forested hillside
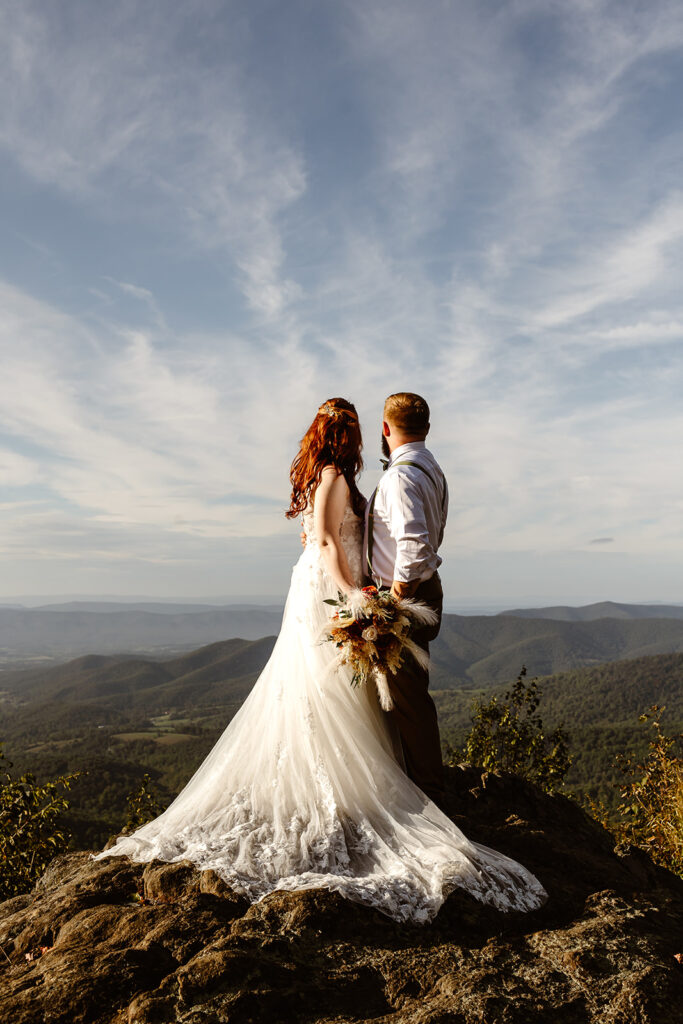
{"points": [[131, 684], [115, 718], [598, 706], [489, 650], [471, 650]]}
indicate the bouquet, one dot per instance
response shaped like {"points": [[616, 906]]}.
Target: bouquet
{"points": [[371, 630]]}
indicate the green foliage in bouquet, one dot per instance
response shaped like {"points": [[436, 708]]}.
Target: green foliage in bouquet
{"points": [[650, 815], [142, 805], [30, 835], [508, 735]]}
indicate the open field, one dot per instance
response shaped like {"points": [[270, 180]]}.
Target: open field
{"points": [[163, 739]]}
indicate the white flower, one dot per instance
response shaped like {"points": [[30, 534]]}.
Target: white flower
{"points": [[370, 634]]}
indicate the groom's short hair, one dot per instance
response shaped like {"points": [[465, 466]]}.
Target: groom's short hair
{"points": [[408, 412]]}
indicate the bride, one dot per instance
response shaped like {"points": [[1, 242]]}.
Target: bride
{"points": [[304, 788]]}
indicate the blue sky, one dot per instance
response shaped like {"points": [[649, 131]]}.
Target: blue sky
{"points": [[215, 215]]}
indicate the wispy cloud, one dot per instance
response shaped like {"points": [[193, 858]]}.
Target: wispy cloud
{"points": [[641, 256], [478, 204], [130, 119], [143, 295]]}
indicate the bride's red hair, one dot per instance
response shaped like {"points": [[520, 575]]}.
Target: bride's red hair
{"points": [[333, 439]]}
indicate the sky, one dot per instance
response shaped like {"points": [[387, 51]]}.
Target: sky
{"points": [[217, 214]]}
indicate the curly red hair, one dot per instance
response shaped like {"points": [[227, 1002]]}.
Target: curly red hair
{"points": [[333, 439]]}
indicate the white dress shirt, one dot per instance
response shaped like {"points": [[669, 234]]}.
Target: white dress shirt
{"points": [[409, 517]]}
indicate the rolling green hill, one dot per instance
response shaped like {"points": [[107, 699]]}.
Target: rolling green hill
{"points": [[610, 695], [471, 651], [119, 717], [481, 650], [205, 676]]}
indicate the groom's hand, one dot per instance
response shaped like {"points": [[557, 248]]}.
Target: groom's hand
{"points": [[399, 589]]}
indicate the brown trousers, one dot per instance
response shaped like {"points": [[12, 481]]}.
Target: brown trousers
{"points": [[414, 713]]}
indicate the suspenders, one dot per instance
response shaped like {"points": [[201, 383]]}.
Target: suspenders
{"points": [[371, 510]]}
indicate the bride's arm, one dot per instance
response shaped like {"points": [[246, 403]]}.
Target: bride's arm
{"points": [[328, 512]]}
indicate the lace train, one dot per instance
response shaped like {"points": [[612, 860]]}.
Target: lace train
{"points": [[303, 789]]}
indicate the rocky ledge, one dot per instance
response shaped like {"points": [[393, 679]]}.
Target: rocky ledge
{"points": [[119, 943]]}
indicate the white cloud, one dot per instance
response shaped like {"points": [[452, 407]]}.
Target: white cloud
{"points": [[192, 438], [640, 333], [630, 263], [124, 432], [468, 203], [143, 295], [89, 118], [17, 470]]}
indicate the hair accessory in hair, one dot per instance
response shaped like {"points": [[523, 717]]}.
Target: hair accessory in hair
{"points": [[331, 410]]}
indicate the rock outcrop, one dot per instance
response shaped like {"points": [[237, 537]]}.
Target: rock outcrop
{"points": [[111, 942]]}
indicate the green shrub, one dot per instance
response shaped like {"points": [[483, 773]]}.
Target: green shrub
{"points": [[142, 805], [508, 735], [30, 835]]}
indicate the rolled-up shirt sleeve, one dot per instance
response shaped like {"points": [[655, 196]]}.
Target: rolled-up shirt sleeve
{"points": [[407, 525]]}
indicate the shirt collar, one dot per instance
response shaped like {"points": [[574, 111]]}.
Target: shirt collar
{"points": [[410, 446]]}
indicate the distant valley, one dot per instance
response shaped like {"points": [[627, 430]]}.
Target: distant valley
{"points": [[119, 715], [481, 649], [59, 632]]}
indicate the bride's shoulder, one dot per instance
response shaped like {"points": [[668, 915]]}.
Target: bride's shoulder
{"points": [[333, 477], [332, 490]]}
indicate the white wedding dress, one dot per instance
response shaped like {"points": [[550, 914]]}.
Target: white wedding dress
{"points": [[303, 789]]}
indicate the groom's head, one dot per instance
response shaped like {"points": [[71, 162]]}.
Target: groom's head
{"points": [[406, 418]]}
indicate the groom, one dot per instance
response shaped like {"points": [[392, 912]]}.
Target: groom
{"points": [[405, 522]]}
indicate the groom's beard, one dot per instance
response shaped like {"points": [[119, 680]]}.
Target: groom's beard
{"points": [[385, 448]]}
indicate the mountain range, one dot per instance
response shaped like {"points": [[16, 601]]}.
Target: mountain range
{"points": [[600, 610], [470, 651], [476, 650], [63, 631], [490, 650], [207, 676]]}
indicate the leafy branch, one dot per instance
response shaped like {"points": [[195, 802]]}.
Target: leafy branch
{"points": [[29, 832], [142, 805], [508, 735], [651, 808]]}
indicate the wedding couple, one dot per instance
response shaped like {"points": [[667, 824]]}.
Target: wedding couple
{"points": [[312, 784]]}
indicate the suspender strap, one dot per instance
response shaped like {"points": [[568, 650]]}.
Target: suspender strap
{"points": [[418, 465], [371, 533], [371, 510]]}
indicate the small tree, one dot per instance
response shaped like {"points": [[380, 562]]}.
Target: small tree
{"points": [[29, 832], [508, 735], [142, 805], [651, 808]]}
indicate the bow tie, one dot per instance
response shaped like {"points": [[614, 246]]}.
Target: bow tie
{"points": [[385, 464]]}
